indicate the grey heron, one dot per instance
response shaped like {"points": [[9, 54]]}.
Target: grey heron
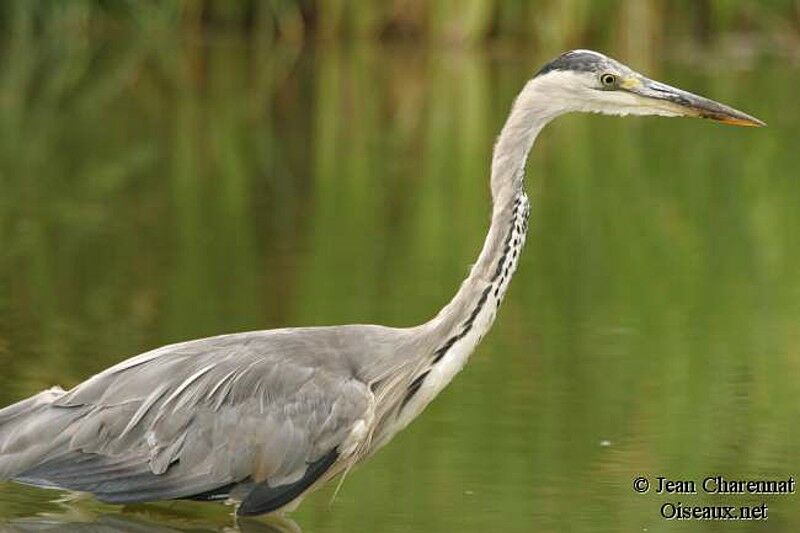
{"points": [[264, 417]]}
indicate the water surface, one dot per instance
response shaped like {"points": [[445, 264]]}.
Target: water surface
{"points": [[158, 191]]}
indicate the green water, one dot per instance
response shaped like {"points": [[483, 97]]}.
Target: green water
{"points": [[163, 189]]}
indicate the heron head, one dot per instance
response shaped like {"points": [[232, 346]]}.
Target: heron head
{"points": [[583, 80]]}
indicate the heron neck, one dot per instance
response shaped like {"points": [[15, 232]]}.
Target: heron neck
{"points": [[455, 331], [480, 294]]}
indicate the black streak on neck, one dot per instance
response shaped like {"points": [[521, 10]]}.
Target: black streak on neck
{"points": [[440, 352]]}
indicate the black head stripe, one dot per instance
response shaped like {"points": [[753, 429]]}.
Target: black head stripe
{"points": [[576, 60]]}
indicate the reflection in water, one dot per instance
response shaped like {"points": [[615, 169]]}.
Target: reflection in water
{"points": [[79, 512], [159, 190], [127, 524]]}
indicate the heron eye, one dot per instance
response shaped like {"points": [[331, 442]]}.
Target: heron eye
{"points": [[608, 80]]}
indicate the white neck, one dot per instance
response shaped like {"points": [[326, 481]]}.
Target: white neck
{"points": [[463, 322], [498, 258]]}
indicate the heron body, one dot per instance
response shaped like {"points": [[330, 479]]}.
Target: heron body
{"points": [[264, 417]]}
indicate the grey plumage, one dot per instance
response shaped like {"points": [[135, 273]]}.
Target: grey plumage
{"points": [[264, 417], [191, 417]]}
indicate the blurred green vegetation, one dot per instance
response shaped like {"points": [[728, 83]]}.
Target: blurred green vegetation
{"points": [[560, 23], [165, 175]]}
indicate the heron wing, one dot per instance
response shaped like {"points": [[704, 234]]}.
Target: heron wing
{"points": [[193, 419], [264, 498]]}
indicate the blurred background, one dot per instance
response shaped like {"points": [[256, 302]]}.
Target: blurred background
{"points": [[179, 169]]}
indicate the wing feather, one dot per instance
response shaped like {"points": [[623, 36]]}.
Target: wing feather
{"points": [[265, 409]]}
